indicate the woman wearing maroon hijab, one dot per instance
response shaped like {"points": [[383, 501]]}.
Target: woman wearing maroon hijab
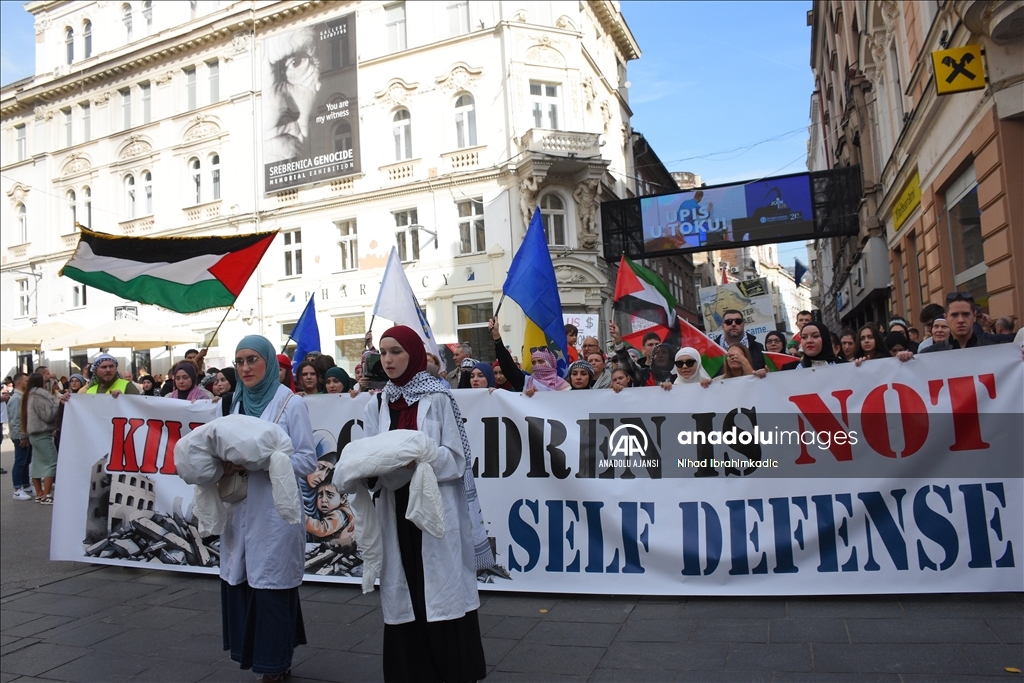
{"points": [[428, 585]]}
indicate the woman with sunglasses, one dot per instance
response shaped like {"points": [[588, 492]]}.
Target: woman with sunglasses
{"points": [[689, 369]]}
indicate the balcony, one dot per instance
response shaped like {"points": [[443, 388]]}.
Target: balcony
{"points": [[19, 251], [136, 226], [402, 171], [462, 160], [203, 212], [561, 143], [561, 152]]}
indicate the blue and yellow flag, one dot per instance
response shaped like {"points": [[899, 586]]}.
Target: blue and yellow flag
{"points": [[531, 283]]}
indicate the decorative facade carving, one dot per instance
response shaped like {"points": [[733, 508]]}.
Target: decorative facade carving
{"points": [[459, 77], [565, 23], [546, 55], [567, 275], [136, 147], [520, 16], [396, 92], [200, 127], [42, 112], [585, 196], [17, 193], [528, 188], [102, 99], [890, 15], [240, 42], [164, 78], [76, 163], [589, 92], [606, 114], [42, 23]]}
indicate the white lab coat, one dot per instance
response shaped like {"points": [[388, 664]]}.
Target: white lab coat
{"points": [[257, 545], [449, 562]]}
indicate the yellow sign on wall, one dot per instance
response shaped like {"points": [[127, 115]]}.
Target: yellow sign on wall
{"points": [[909, 199], [959, 69]]}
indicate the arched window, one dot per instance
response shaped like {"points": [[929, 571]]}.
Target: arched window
{"points": [[72, 201], [69, 44], [215, 176], [401, 129], [149, 505], [129, 197], [87, 39], [552, 211], [131, 501], [342, 137], [142, 503], [147, 191], [126, 19], [197, 180], [87, 193], [465, 121], [118, 497], [22, 223], [147, 14], [120, 480], [133, 482]]}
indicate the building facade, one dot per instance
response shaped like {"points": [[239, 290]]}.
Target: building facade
{"points": [[148, 119], [941, 210]]}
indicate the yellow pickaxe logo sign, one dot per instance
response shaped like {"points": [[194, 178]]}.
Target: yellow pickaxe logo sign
{"points": [[959, 69]]}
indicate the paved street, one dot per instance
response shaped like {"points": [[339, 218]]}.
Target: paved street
{"points": [[76, 622]]}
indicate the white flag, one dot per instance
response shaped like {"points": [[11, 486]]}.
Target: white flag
{"points": [[397, 303]]}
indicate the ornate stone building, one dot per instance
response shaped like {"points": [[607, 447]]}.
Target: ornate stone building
{"points": [[144, 118]]}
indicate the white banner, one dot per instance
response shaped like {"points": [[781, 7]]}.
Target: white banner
{"points": [[887, 478]]}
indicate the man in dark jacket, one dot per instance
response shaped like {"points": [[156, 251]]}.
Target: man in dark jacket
{"points": [[961, 318], [734, 332]]}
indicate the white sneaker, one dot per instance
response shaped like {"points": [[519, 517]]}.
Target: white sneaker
{"points": [[21, 495]]}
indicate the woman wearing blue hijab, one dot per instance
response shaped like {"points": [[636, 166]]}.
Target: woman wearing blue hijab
{"points": [[262, 556]]}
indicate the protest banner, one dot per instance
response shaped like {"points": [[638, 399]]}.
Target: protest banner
{"points": [[750, 297], [886, 478]]}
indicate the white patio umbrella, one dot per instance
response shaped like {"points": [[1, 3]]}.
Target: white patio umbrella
{"points": [[132, 334], [36, 337]]}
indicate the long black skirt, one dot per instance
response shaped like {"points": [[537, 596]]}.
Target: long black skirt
{"points": [[261, 626], [449, 651]]}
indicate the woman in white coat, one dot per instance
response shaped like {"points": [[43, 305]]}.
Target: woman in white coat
{"points": [[428, 585], [262, 556]]}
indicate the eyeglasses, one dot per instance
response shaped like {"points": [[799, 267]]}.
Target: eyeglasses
{"points": [[959, 296], [686, 363], [733, 321], [535, 349], [251, 361]]}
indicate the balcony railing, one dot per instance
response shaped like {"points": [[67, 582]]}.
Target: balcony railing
{"points": [[562, 143]]}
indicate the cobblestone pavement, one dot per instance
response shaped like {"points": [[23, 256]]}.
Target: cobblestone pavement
{"points": [[67, 621]]}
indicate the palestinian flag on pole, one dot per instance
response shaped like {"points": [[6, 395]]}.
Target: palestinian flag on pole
{"points": [[184, 274], [643, 303], [712, 356], [779, 361]]}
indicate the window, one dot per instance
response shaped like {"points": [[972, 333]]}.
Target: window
{"points": [[147, 191], [69, 44], [213, 71], [86, 121], [349, 340], [87, 39], [147, 15], [342, 137], [196, 180], [131, 499], [349, 243], [471, 226], [897, 82], [126, 109], [147, 102], [407, 238], [292, 252], [921, 276], [338, 44], [20, 142], [465, 121], [552, 212], [471, 326], [118, 496], [79, 297], [87, 193], [215, 176], [23, 297], [22, 214], [129, 197], [72, 201], [69, 137], [394, 24], [126, 19], [458, 18], [190, 88], [544, 103], [401, 129], [963, 219]]}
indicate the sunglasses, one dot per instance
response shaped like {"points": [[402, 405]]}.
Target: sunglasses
{"points": [[733, 321], [959, 296], [535, 349], [686, 363]]}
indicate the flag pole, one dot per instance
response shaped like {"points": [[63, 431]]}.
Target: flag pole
{"points": [[369, 329], [500, 302], [214, 335]]}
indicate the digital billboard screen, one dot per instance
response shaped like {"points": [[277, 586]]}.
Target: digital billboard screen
{"points": [[726, 216]]}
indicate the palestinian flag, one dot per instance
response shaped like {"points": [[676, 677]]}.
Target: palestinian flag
{"points": [[184, 274], [643, 303], [779, 361], [712, 356]]}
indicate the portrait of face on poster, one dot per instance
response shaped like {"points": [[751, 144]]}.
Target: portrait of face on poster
{"points": [[310, 107]]}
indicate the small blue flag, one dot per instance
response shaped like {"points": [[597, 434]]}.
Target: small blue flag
{"points": [[306, 335], [799, 270]]}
